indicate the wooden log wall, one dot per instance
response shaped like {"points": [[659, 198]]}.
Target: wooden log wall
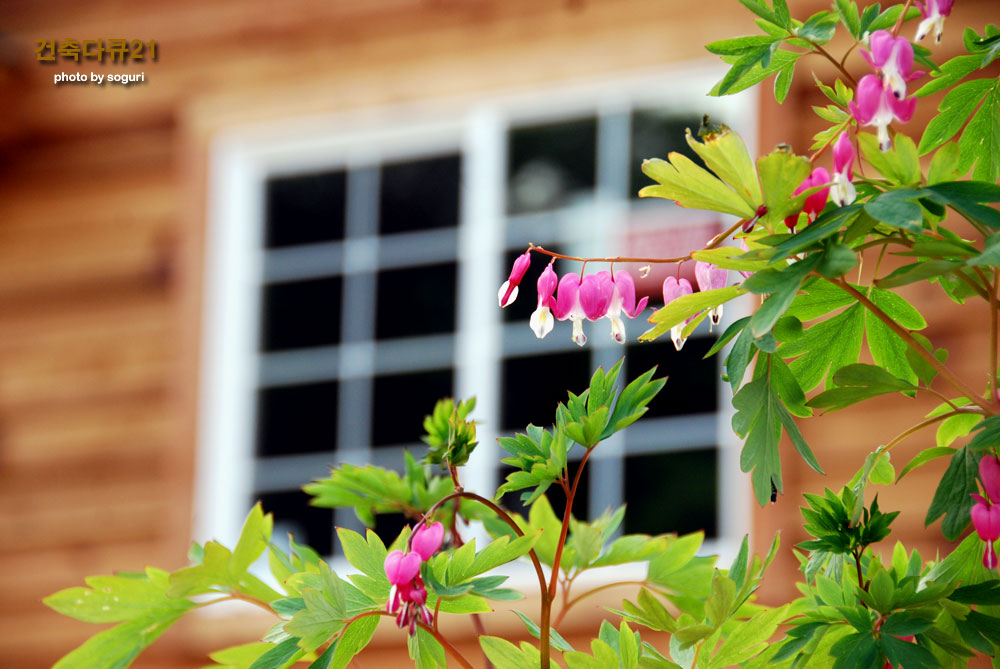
{"points": [[102, 215]]}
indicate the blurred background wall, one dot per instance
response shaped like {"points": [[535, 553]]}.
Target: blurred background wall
{"points": [[277, 250]]}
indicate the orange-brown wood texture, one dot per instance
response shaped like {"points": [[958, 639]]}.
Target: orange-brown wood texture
{"points": [[102, 219]]}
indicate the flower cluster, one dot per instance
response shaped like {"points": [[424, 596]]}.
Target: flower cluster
{"points": [[709, 277], [986, 511], [880, 100], [838, 188], [408, 596], [575, 298]]}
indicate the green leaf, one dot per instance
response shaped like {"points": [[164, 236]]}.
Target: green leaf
{"points": [[897, 209], [906, 654], [944, 164], [783, 82], [781, 172], [505, 655], [827, 345], [727, 156], [425, 650], [353, 640], [240, 657], [556, 640], [691, 186], [858, 382], [783, 286], [987, 434], [282, 655], [953, 427], [980, 142], [818, 28], [966, 197], [117, 647], [919, 271], [925, 456], [678, 311], [757, 72], [749, 638], [955, 109], [253, 541], [952, 499], [109, 599], [950, 73]]}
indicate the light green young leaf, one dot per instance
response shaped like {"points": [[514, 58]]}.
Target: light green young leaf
{"points": [[556, 640], [117, 647], [727, 156], [953, 427], [353, 640], [691, 186]]}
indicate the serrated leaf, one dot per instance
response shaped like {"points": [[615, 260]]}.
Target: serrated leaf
{"points": [[691, 186]]}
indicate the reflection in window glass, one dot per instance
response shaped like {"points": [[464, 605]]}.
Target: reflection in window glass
{"points": [[305, 209], [297, 419], [402, 401], [301, 313], [672, 492], [692, 381], [420, 195], [415, 301], [309, 525], [551, 163], [655, 133], [534, 385]]}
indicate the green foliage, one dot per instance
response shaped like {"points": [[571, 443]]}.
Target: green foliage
{"points": [[451, 437], [835, 523]]}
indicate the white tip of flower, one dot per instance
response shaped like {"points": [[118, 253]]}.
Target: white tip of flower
{"points": [[618, 330], [578, 336], [884, 142], [503, 291], [715, 315], [842, 191], [675, 335], [644, 271], [541, 322]]}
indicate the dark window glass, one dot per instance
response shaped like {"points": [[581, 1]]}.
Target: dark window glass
{"points": [[533, 386], [691, 383], [297, 419], [527, 298], [548, 164], [402, 401], [671, 492], [389, 525], [420, 195], [416, 301], [304, 209], [309, 525], [301, 313], [655, 133]]}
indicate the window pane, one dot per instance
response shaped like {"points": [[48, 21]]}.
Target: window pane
{"points": [[297, 419], [655, 133], [389, 525], [402, 401], [309, 525], [533, 386], [416, 301], [692, 383], [301, 313], [550, 164], [304, 209], [672, 492], [420, 195]]}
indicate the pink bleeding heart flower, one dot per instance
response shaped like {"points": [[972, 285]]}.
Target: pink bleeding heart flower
{"points": [[710, 277], [541, 318], [934, 13], [842, 191], [568, 305], [596, 291], [623, 302], [876, 105], [986, 512], [989, 474], [673, 289], [401, 568], [508, 290], [426, 541], [893, 57], [814, 203]]}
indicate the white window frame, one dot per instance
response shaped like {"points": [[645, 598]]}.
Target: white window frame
{"points": [[476, 126]]}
